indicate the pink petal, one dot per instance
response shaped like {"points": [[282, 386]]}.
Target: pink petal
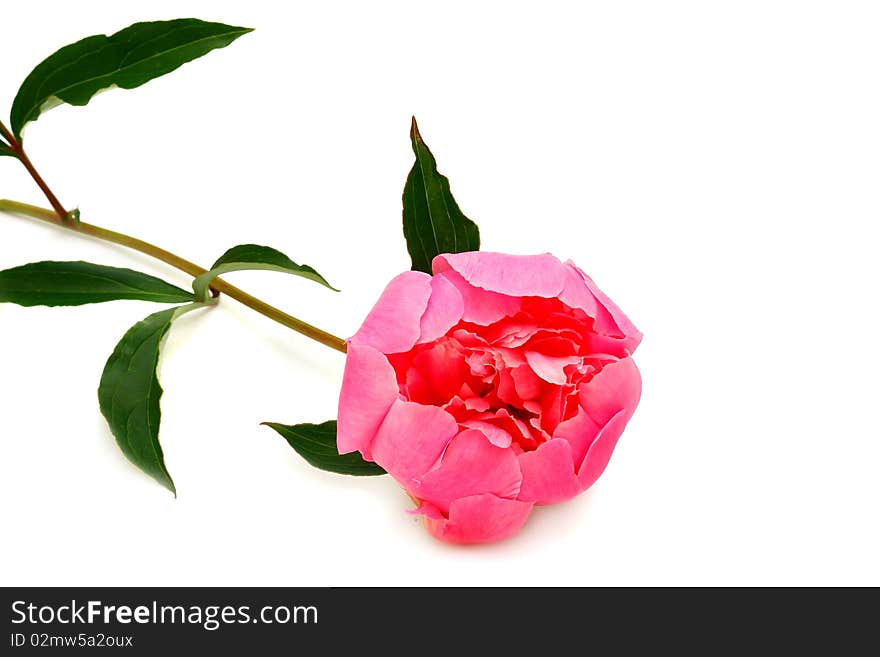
{"points": [[369, 388], [553, 405], [512, 335], [580, 431], [428, 510], [394, 324], [469, 339], [411, 439], [445, 308], [480, 306], [554, 345], [477, 519], [545, 437], [599, 345], [476, 404], [623, 322], [515, 275], [495, 435], [616, 387], [576, 294], [470, 466], [574, 297], [480, 363], [506, 389], [526, 382], [464, 403], [600, 451], [509, 357], [443, 369], [416, 386], [502, 417], [548, 473], [550, 368]]}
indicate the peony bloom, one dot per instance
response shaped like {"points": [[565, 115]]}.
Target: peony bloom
{"points": [[498, 383]]}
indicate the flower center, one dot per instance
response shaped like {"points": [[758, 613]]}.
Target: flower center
{"points": [[515, 380]]}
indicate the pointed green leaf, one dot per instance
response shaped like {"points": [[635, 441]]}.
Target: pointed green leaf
{"points": [[129, 392], [126, 59], [5, 150], [253, 256], [432, 220], [77, 283], [316, 443]]}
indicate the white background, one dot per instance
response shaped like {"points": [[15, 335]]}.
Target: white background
{"points": [[714, 166]]}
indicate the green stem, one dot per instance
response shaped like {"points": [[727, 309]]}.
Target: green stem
{"points": [[218, 284], [18, 149]]}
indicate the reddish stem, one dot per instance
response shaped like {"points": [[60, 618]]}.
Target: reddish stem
{"points": [[18, 149]]}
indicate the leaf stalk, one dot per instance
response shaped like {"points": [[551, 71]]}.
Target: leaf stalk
{"points": [[17, 148]]}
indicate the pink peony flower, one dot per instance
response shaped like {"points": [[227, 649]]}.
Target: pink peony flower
{"points": [[498, 383]]}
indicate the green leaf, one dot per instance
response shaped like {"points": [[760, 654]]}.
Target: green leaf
{"points": [[129, 392], [78, 283], [5, 150], [316, 443], [126, 59], [432, 220], [253, 256]]}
